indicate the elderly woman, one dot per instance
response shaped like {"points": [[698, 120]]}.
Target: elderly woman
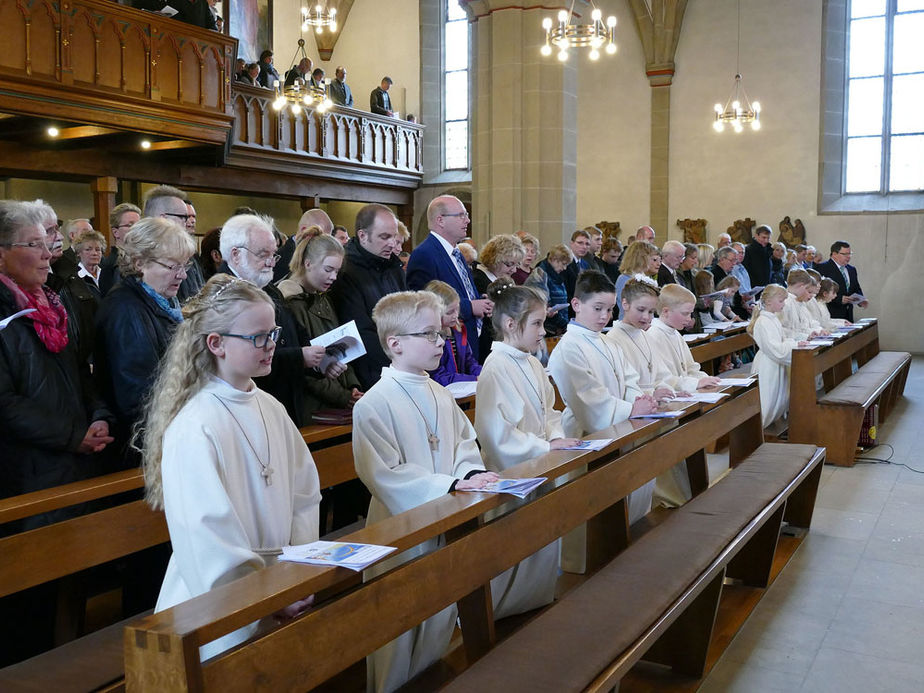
{"points": [[137, 317], [549, 278], [500, 257], [90, 246], [641, 257], [531, 250]]}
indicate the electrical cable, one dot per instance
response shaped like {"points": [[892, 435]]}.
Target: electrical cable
{"points": [[888, 460]]}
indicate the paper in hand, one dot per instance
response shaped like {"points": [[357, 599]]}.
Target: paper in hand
{"points": [[342, 344]]}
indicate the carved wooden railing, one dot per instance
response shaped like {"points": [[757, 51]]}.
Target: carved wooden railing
{"points": [[98, 62], [343, 143]]}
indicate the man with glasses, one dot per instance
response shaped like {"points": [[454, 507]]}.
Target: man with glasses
{"points": [[438, 257], [121, 219], [248, 247], [171, 203], [370, 271], [839, 269]]}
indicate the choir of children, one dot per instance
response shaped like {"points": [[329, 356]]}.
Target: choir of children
{"points": [[237, 482]]}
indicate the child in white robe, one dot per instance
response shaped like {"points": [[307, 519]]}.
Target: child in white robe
{"points": [[795, 317], [221, 457], [675, 310], [598, 385], [411, 444], [774, 357], [515, 422], [827, 292]]}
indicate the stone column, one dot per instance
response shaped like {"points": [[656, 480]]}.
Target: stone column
{"points": [[660, 80], [524, 129]]}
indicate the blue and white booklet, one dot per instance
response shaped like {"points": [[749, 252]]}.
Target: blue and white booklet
{"points": [[516, 487], [336, 553]]}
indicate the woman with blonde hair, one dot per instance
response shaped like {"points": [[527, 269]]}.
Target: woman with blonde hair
{"points": [[706, 255], [641, 257], [500, 257], [531, 250], [221, 457]]}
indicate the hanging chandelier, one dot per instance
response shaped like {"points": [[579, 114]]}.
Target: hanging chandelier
{"points": [[319, 16], [300, 94], [738, 110], [573, 35]]}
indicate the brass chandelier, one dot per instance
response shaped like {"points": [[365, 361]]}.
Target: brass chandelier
{"points": [[738, 110], [568, 34], [300, 94], [319, 16]]}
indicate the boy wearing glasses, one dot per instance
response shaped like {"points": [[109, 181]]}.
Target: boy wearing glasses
{"points": [[411, 444]]}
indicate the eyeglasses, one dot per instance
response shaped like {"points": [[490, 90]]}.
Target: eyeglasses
{"points": [[124, 226], [432, 336], [262, 256], [847, 254], [175, 269], [32, 245], [184, 217], [260, 341], [464, 215]]}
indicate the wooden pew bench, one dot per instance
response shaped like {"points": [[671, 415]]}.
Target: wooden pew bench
{"points": [[658, 599], [347, 624], [708, 354], [63, 549], [835, 418]]}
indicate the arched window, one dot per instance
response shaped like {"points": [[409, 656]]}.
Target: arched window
{"points": [[456, 60], [884, 98]]}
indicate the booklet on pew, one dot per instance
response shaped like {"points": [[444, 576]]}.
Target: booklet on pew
{"points": [[707, 397], [588, 445], [462, 388], [341, 344], [735, 382], [669, 414], [336, 553], [515, 487], [694, 337], [740, 323]]}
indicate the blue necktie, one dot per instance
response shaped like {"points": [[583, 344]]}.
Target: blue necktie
{"points": [[846, 278], [462, 269]]}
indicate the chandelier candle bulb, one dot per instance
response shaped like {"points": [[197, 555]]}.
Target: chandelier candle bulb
{"points": [[570, 34]]}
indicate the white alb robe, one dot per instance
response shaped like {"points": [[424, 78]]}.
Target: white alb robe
{"points": [[515, 420], [638, 351], [771, 365], [599, 387], [224, 520], [796, 319], [394, 460], [822, 315]]}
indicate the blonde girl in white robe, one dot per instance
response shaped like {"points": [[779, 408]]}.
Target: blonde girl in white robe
{"points": [[774, 356], [221, 457], [795, 317], [598, 385], [675, 310], [827, 292], [515, 422], [411, 444]]}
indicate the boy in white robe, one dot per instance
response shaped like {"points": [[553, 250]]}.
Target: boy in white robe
{"points": [[598, 386], [516, 422], [675, 311], [411, 445], [795, 317], [818, 308]]}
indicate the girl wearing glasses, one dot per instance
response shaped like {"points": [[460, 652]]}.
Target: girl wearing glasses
{"points": [[220, 456]]}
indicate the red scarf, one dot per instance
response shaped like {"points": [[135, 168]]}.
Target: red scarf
{"points": [[49, 318]]}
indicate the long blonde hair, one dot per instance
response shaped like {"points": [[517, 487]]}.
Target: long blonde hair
{"points": [[186, 368], [769, 292]]}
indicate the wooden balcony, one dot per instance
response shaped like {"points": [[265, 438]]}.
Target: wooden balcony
{"points": [[342, 144]]}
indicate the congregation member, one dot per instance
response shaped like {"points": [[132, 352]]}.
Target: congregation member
{"points": [[811, 257], [839, 269], [71, 229], [757, 260], [379, 99], [90, 246], [500, 257], [640, 257], [341, 234], [439, 257], [515, 421], [596, 243], [744, 299], [370, 271], [313, 217], [221, 457], [581, 259], [457, 364], [339, 90], [248, 247], [724, 240], [172, 204], [777, 257], [210, 253], [774, 354], [121, 219], [268, 75], [706, 257], [411, 444], [300, 72], [711, 310], [531, 249], [672, 255], [548, 277]]}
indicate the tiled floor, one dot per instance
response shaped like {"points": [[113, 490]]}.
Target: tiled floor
{"points": [[847, 612]]}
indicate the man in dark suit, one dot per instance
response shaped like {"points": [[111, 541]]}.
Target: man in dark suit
{"points": [[844, 274], [339, 90], [300, 71], [672, 253], [379, 100], [317, 79], [439, 258], [757, 257], [580, 249]]}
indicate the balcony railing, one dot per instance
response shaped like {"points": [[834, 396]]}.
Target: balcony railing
{"points": [[342, 143]]}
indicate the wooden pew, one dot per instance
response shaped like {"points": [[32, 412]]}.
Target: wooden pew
{"points": [[835, 418], [719, 345], [65, 548], [162, 650]]}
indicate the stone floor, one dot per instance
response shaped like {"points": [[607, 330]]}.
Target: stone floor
{"points": [[847, 612]]}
